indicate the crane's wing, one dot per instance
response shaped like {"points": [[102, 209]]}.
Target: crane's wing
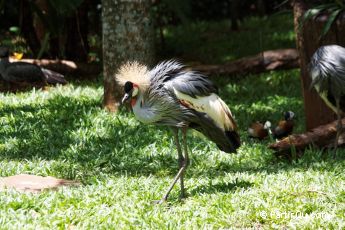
{"points": [[173, 76], [179, 97]]}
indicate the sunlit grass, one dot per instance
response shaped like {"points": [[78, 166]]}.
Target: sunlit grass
{"points": [[125, 165], [265, 97]]}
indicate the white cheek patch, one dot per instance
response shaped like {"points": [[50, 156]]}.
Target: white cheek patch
{"points": [[135, 92]]}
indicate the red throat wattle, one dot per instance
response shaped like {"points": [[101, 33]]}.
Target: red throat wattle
{"points": [[133, 101]]}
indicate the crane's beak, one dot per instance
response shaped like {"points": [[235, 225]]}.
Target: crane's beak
{"points": [[126, 97]]}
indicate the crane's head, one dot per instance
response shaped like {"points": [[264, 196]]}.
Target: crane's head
{"points": [[131, 92]]}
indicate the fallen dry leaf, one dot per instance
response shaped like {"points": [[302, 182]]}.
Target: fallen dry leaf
{"points": [[32, 183]]}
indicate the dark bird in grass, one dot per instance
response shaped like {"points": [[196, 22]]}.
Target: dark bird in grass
{"points": [[259, 130], [172, 96], [22, 72], [285, 126]]}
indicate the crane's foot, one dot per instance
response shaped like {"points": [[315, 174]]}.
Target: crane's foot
{"points": [[45, 88], [161, 201], [182, 195], [165, 200], [339, 127], [336, 141]]}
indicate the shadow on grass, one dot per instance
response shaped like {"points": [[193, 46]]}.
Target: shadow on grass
{"points": [[222, 187], [78, 131]]}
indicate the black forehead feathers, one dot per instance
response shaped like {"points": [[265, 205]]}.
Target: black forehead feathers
{"points": [[128, 86]]}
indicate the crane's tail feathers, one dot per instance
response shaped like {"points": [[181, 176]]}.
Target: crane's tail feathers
{"points": [[233, 138], [227, 141], [53, 77], [231, 144], [230, 129]]}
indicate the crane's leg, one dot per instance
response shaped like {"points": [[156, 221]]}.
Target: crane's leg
{"points": [[339, 126], [180, 156], [184, 164], [186, 160]]}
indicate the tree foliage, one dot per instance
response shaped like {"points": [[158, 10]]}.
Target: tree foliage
{"points": [[333, 8]]}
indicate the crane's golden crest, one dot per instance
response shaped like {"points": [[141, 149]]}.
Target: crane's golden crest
{"points": [[134, 72]]}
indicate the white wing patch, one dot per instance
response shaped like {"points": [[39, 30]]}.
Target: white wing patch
{"points": [[212, 105]]}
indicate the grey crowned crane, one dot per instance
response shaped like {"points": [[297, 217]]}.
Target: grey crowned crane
{"points": [[22, 72], [327, 70], [172, 96]]}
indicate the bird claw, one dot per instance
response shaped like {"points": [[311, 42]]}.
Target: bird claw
{"points": [[182, 197], [161, 201]]}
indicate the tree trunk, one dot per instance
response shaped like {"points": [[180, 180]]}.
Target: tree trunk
{"points": [[261, 7], [234, 7], [26, 23], [127, 35], [77, 47], [308, 40], [265, 61]]}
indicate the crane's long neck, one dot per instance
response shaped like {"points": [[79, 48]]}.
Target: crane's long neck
{"points": [[143, 112]]}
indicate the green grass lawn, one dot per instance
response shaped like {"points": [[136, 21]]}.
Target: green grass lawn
{"points": [[124, 165]]}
